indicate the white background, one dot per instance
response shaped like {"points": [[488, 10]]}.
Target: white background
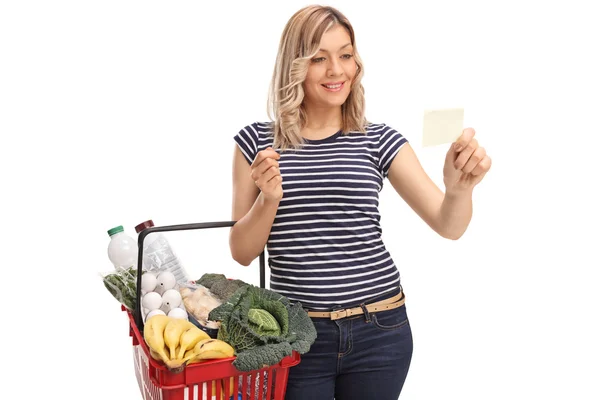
{"points": [[115, 112]]}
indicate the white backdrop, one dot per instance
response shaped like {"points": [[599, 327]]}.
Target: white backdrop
{"points": [[115, 112]]}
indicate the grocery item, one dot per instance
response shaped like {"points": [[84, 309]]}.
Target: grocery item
{"points": [[220, 286], [171, 298], [263, 327], [122, 248], [179, 313], [178, 342], [149, 282], [158, 254], [121, 283]]}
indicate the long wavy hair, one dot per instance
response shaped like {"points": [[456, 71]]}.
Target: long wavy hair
{"points": [[298, 45]]}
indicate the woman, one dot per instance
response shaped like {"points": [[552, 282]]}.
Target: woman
{"points": [[306, 185]]}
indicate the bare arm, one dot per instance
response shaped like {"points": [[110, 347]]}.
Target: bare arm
{"points": [[256, 195], [449, 214]]}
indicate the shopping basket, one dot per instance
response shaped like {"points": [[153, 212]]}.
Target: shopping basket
{"points": [[210, 380]]}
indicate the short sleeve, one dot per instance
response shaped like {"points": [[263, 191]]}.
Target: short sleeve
{"points": [[390, 142], [247, 141]]}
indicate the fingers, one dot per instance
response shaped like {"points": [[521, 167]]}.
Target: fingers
{"points": [[263, 161], [474, 160], [267, 176], [266, 173], [263, 155], [466, 153], [483, 167], [263, 167], [465, 138], [466, 156], [272, 184]]}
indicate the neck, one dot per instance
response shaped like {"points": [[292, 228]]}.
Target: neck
{"points": [[323, 117]]}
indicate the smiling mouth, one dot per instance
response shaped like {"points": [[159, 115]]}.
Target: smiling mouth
{"points": [[336, 87]]}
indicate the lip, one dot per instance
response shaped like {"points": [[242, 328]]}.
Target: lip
{"points": [[341, 83]]}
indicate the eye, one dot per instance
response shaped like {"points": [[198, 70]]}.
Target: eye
{"points": [[318, 59], [347, 56]]}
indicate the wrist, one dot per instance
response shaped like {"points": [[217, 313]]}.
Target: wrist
{"points": [[269, 202], [458, 193]]}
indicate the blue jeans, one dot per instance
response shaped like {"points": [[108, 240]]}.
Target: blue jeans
{"points": [[364, 357]]}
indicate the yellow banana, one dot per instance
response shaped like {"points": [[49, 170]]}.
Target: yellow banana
{"points": [[177, 365], [153, 335], [172, 334], [213, 348], [155, 355], [191, 353], [189, 339]]}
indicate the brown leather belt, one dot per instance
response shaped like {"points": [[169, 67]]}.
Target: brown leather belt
{"points": [[383, 305]]}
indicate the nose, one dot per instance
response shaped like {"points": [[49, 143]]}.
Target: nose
{"points": [[334, 67]]}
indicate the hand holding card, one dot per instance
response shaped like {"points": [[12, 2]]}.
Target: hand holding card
{"points": [[466, 163]]}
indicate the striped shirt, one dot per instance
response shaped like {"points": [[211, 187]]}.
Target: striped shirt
{"points": [[325, 248]]}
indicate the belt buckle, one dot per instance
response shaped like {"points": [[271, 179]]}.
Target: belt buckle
{"points": [[338, 314]]}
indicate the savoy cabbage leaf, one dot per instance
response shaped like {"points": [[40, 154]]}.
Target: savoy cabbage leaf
{"points": [[263, 327]]}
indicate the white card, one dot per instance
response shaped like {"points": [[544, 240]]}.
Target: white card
{"points": [[442, 126]]}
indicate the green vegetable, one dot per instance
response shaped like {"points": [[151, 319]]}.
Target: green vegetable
{"points": [[207, 280], [262, 322], [122, 284], [220, 286], [263, 327]]}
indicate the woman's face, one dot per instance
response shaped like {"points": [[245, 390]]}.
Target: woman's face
{"points": [[331, 71]]}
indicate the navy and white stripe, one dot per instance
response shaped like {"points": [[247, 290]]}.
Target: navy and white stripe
{"points": [[325, 248]]}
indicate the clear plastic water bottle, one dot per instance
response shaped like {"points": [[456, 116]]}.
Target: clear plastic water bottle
{"points": [[122, 248], [159, 256]]}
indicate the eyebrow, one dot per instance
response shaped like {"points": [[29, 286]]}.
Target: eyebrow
{"points": [[344, 46]]}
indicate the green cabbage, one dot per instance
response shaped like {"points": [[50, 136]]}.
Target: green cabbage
{"points": [[263, 327]]}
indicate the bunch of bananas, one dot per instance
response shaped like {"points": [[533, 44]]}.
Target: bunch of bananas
{"points": [[177, 342]]}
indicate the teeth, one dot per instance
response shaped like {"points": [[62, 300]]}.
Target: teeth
{"points": [[334, 86]]}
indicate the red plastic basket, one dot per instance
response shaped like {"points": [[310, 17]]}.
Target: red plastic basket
{"points": [[211, 380], [207, 380]]}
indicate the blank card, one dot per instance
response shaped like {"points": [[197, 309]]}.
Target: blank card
{"points": [[442, 126]]}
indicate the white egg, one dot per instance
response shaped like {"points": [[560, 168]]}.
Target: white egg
{"points": [[149, 282], [178, 313], [171, 298], [153, 313], [166, 280], [152, 301]]}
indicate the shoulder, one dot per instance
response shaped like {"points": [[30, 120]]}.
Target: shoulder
{"points": [[378, 128], [255, 136], [258, 128], [381, 130]]}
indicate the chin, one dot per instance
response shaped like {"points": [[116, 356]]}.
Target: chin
{"points": [[335, 102]]}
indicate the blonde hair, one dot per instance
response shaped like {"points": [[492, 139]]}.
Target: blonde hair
{"points": [[298, 45]]}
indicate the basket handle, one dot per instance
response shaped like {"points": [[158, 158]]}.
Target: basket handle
{"points": [[182, 227]]}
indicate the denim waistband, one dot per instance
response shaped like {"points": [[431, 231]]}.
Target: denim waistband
{"points": [[373, 299]]}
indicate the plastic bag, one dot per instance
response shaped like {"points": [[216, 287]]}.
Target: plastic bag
{"points": [[199, 302], [122, 283]]}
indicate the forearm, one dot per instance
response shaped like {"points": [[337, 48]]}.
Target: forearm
{"points": [[248, 237], [455, 214]]}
